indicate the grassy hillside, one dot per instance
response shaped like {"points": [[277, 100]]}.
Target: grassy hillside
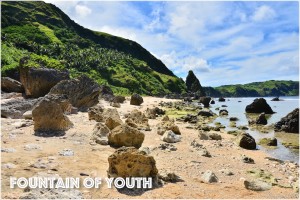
{"points": [[49, 38], [266, 88]]}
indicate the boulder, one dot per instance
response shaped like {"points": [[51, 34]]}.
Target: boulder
{"points": [[112, 118], [152, 113], [170, 177], [82, 92], [205, 101], [261, 119], [15, 108], [138, 118], [233, 119], [276, 99], [257, 185], [27, 114], [11, 85], [209, 136], [125, 135], [246, 141], [115, 104], [48, 115], [100, 134], [221, 99], [106, 93], [289, 123], [136, 100], [212, 101], [167, 125], [130, 162], [188, 118], [223, 112], [205, 113], [118, 99], [170, 137], [96, 113], [259, 105], [37, 82]]}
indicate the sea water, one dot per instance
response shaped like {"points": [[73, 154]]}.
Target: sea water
{"points": [[236, 108]]}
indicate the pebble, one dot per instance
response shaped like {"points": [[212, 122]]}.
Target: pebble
{"points": [[8, 166], [30, 147], [8, 150]]}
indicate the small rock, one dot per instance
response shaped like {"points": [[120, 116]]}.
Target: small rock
{"points": [[170, 137], [145, 149], [169, 177], [246, 159], [66, 152], [8, 166], [8, 150], [167, 146], [30, 147], [209, 177]]}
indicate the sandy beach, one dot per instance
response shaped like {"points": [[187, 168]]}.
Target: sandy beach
{"points": [[34, 155]]}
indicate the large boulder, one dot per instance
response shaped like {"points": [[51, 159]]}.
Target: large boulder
{"points": [[106, 93], [96, 113], [205, 101], [259, 105], [246, 141], [15, 108], [289, 123], [82, 92], [100, 134], [11, 85], [136, 100], [38, 81], [130, 162], [125, 135], [138, 120], [49, 114]]}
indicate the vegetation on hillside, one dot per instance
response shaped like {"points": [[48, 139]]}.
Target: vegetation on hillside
{"points": [[49, 38], [256, 89]]}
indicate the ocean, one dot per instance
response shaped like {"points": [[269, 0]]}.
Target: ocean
{"points": [[282, 108]]}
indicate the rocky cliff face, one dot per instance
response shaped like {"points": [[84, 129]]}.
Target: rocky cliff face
{"points": [[193, 84]]}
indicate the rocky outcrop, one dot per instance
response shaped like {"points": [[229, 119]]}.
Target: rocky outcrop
{"points": [[17, 107], [205, 101], [48, 115], [152, 113], [138, 120], [259, 105], [100, 134], [193, 84], [130, 162], [125, 135], [136, 100], [246, 141], [170, 137], [289, 123], [37, 82], [106, 93], [276, 99], [261, 119], [167, 125], [11, 85], [82, 92]]}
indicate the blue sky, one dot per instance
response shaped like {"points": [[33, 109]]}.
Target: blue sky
{"points": [[222, 42]]}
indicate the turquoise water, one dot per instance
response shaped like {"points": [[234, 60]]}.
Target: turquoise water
{"points": [[282, 108]]}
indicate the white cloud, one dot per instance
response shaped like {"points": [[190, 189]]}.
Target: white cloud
{"points": [[263, 13], [121, 32], [82, 10]]}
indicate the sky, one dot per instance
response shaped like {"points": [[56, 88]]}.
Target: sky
{"points": [[222, 42]]}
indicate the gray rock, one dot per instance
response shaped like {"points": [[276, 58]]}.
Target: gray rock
{"points": [[145, 149], [8, 166], [8, 150], [66, 152], [100, 134], [170, 137], [257, 185], [52, 193], [31, 147], [167, 146], [27, 114], [209, 177], [169, 177], [15, 108]]}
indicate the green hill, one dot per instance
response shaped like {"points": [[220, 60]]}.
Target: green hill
{"points": [[256, 89], [49, 38]]}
